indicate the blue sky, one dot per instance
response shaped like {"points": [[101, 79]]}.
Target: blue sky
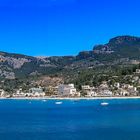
{"points": [[64, 27]]}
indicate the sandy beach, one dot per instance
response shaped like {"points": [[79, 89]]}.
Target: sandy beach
{"points": [[68, 98]]}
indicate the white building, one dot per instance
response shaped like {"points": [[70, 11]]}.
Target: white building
{"points": [[90, 91], [19, 93], [123, 92], [91, 94], [86, 87], [117, 85], [2, 92], [67, 90], [138, 71], [36, 92], [106, 93], [104, 85]]}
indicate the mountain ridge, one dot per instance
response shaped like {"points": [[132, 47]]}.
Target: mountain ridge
{"points": [[118, 48]]}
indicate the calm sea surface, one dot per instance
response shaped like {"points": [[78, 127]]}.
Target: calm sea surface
{"points": [[71, 120]]}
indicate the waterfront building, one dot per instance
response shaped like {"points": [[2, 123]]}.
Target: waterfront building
{"points": [[106, 93], [90, 91], [2, 92], [67, 90], [19, 93], [123, 92], [36, 92], [91, 94]]}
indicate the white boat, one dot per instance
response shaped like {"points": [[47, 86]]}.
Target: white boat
{"points": [[58, 103], [44, 100], [104, 104]]}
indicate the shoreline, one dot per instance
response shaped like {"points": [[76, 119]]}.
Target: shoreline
{"points": [[68, 98]]}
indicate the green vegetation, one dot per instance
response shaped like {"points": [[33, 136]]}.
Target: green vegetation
{"points": [[111, 62]]}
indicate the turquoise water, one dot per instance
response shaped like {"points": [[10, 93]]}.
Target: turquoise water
{"points": [[71, 120]]}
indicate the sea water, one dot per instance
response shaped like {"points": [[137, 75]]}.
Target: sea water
{"points": [[70, 119]]}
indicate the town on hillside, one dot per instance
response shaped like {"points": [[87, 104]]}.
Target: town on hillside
{"points": [[105, 89]]}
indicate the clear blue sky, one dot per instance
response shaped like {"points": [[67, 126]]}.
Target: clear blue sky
{"points": [[64, 27]]}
